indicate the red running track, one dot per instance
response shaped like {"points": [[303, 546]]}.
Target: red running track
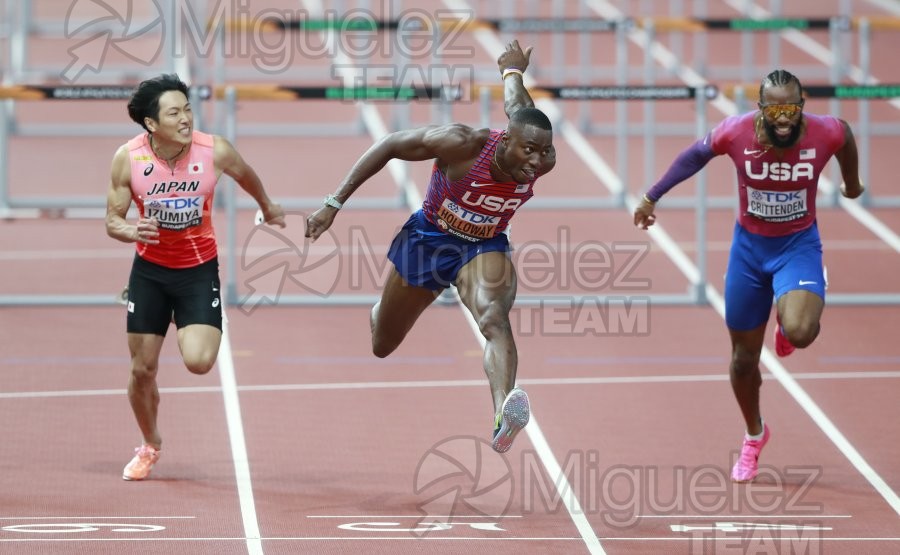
{"points": [[302, 442]]}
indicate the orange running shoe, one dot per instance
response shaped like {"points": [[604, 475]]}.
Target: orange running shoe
{"points": [[140, 466]]}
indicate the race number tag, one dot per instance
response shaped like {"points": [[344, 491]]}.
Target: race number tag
{"points": [[464, 223], [776, 206], [175, 213]]}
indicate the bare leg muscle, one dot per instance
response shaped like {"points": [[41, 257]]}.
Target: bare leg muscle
{"points": [[393, 316], [199, 345], [143, 393], [487, 287], [800, 312], [746, 379]]}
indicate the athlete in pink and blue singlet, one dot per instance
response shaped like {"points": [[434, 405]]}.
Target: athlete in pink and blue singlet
{"points": [[779, 153], [475, 207], [776, 246], [459, 219], [480, 178]]}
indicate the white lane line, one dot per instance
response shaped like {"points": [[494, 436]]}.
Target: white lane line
{"points": [[91, 517], [743, 517], [732, 539], [452, 383], [416, 517], [238, 444]]}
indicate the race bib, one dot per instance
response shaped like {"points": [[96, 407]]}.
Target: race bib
{"points": [[175, 213], [472, 226], [776, 206]]}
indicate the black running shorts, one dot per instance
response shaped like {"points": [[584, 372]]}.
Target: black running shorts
{"points": [[156, 293]]}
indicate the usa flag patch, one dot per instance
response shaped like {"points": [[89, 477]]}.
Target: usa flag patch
{"points": [[808, 154]]}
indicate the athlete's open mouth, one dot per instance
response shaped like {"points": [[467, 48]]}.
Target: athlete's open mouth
{"points": [[783, 130]]}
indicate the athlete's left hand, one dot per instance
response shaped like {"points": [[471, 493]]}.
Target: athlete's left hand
{"points": [[319, 221], [515, 57]]}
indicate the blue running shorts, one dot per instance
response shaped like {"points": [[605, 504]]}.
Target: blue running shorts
{"points": [[761, 267], [427, 257]]}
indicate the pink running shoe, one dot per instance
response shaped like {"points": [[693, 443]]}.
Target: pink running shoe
{"points": [[514, 415], [783, 347], [747, 466], [140, 466]]}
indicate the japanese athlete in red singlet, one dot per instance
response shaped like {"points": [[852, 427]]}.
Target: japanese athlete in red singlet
{"points": [[778, 152], [170, 172], [480, 178]]}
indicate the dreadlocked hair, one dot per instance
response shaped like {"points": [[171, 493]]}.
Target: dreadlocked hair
{"points": [[779, 78]]}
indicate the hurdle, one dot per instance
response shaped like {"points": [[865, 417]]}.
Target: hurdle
{"points": [[97, 28], [507, 22], [699, 96], [623, 129], [231, 94]]}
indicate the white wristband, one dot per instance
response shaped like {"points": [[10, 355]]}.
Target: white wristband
{"points": [[509, 71], [333, 202]]}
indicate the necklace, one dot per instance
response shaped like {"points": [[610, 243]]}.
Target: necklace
{"points": [[499, 167], [763, 148], [163, 158]]}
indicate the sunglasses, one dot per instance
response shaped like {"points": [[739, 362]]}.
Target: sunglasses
{"points": [[774, 111]]}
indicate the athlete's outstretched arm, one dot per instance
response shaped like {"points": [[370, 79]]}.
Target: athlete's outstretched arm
{"points": [[848, 159], [512, 63], [445, 143], [227, 158], [685, 165]]}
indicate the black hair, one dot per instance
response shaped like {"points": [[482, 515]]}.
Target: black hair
{"points": [[779, 78], [144, 103], [531, 116]]}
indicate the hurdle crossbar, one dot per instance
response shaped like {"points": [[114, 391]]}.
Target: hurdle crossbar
{"points": [[80, 92], [750, 91], [368, 93], [624, 92], [365, 22]]}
